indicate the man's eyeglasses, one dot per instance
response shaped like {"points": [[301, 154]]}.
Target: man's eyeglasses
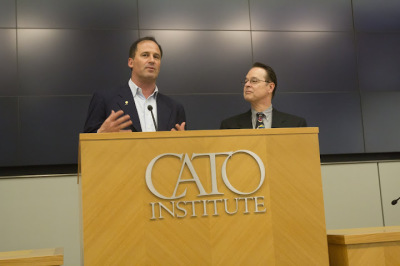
{"points": [[254, 81]]}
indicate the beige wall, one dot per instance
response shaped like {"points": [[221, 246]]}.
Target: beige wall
{"points": [[389, 173], [43, 212], [360, 194], [40, 212], [351, 195]]}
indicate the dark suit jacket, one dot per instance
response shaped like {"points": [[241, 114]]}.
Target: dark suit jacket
{"points": [[279, 119], [169, 112]]}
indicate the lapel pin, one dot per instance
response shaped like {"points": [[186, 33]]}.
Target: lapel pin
{"points": [[126, 102]]}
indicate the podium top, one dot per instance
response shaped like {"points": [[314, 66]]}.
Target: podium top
{"points": [[50, 256], [198, 133], [364, 235]]}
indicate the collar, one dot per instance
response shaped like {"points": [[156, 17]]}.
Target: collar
{"points": [[266, 112], [135, 89]]}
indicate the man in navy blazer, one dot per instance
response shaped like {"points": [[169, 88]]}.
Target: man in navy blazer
{"points": [[137, 105], [259, 89]]}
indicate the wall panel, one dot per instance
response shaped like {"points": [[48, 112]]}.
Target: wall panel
{"points": [[203, 61], [50, 129], [41, 212], [206, 111], [327, 54], [301, 15], [8, 65], [7, 13], [381, 121], [9, 131], [72, 62], [194, 15], [338, 116], [371, 15], [389, 173], [308, 61], [348, 204], [378, 59], [120, 14]]}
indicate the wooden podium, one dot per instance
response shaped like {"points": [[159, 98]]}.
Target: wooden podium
{"points": [[220, 197], [33, 257], [364, 246]]}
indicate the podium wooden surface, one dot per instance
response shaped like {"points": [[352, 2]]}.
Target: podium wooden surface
{"points": [[374, 246], [280, 221], [34, 257]]}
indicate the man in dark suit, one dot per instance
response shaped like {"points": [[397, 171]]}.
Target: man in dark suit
{"points": [[259, 89], [137, 105]]}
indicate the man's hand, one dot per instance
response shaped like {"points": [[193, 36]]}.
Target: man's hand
{"points": [[180, 127], [115, 122]]}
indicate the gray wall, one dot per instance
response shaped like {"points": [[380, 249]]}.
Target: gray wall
{"points": [[44, 212], [336, 61]]}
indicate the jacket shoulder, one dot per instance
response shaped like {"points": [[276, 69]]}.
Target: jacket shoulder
{"points": [[281, 119], [239, 121]]}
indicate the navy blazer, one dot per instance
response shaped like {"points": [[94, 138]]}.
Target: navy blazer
{"points": [[169, 112], [279, 119]]}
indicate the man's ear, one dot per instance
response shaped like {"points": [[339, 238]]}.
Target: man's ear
{"points": [[271, 87], [130, 62]]}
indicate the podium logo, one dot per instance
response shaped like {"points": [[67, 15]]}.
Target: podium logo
{"points": [[176, 207]]}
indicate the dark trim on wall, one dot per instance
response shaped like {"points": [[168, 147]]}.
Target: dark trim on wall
{"points": [[38, 170], [360, 157]]}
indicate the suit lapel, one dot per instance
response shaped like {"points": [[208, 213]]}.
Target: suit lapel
{"points": [[244, 121], [277, 119], [163, 114], [127, 104]]}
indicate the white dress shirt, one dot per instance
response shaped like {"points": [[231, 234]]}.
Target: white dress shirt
{"points": [[146, 120]]}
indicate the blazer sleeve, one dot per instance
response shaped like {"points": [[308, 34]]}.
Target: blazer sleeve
{"points": [[181, 117], [224, 125], [96, 114], [303, 123]]}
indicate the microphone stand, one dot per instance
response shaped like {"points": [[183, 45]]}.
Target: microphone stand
{"points": [[150, 108]]}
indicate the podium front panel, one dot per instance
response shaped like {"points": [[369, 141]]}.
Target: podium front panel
{"points": [[222, 197]]}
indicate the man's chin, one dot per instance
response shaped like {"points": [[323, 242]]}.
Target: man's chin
{"points": [[247, 99], [150, 77]]}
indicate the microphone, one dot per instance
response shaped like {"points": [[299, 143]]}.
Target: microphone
{"points": [[150, 108], [394, 202]]}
